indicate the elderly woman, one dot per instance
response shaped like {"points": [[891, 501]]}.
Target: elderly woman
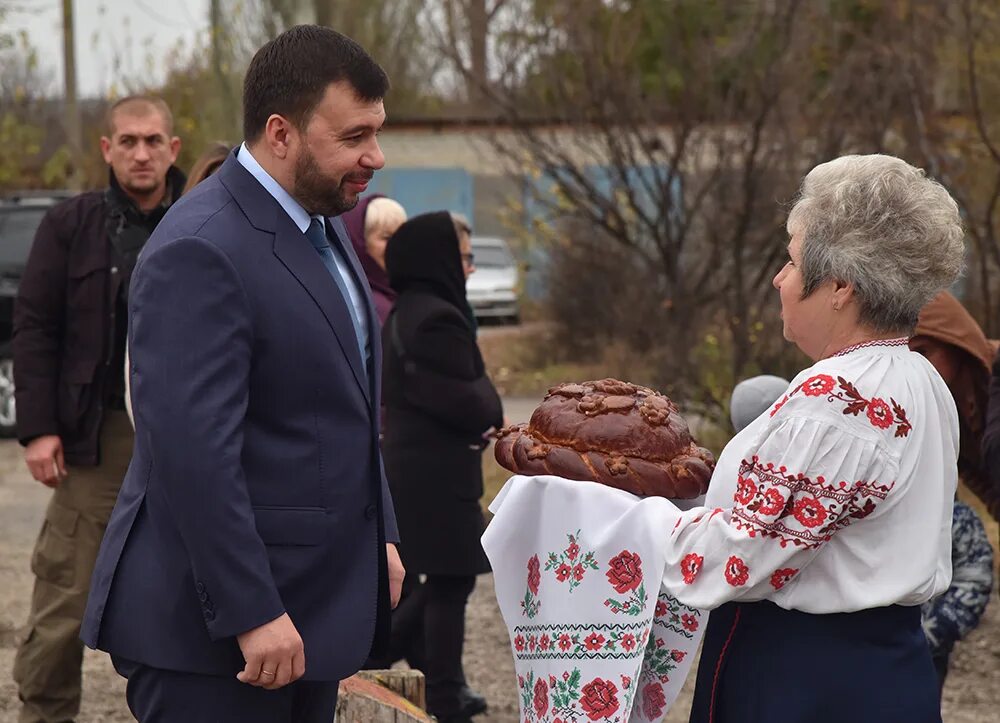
{"points": [[828, 519], [370, 224]]}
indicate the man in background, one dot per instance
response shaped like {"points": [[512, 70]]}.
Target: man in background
{"points": [[69, 350]]}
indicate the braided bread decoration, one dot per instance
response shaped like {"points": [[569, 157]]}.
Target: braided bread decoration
{"points": [[613, 432]]}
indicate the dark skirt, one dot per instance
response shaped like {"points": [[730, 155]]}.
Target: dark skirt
{"points": [[763, 664]]}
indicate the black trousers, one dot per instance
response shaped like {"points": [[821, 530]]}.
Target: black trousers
{"points": [[444, 639], [166, 696], [428, 631]]}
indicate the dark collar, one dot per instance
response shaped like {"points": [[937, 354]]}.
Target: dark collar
{"points": [[124, 204]]}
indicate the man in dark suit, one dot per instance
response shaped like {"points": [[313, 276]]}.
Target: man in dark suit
{"points": [[248, 565]]}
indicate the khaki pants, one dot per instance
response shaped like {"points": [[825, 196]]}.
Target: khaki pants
{"points": [[47, 665]]}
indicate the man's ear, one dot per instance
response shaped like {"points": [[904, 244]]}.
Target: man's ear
{"points": [[175, 149], [279, 134], [106, 149]]}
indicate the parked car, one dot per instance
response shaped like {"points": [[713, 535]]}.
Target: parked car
{"points": [[20, 215], [492, 290]]}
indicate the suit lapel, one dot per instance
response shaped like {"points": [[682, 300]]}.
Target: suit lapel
{"points": [[296, 253]]}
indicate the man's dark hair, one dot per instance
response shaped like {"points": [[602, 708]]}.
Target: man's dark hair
{"points": [[290, 74]]}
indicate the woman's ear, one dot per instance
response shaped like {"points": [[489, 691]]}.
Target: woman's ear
{"points": [[842, 294]]}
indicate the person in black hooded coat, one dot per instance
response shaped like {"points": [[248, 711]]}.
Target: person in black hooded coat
{"points": [[440, 407]]}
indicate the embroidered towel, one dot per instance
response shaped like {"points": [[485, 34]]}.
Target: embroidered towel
{"points": [[578, 567]]}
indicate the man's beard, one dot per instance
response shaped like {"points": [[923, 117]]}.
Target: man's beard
{"points": [[318, 193]]}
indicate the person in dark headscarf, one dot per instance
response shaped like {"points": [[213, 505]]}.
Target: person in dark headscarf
{"points": [[951, 340], [370, 224], [440, 408]]}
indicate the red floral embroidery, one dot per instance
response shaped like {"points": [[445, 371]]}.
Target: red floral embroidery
{"points": [[600, 699], [569, 565], [534, 574], [810, 512], [565, 642], [628, 642], [661, 609], [530, 604], [795, 509], [541, 697], [677, 655], [653, 701], [691, 566], [773, 503], [879, 413], [690, 622], [594, 641], [817, 386], [625, 572], [519, 643], [737, 572], [781, 577], [745, 490]]}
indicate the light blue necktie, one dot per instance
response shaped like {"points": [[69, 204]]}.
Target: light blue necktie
{"points": [[316, 233]]}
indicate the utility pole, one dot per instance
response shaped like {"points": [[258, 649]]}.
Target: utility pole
{"points": [[74, 129], [231, 112]]}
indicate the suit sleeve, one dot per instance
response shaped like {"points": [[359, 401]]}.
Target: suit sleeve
{"points": [[451, 387], [190, 344], [38, 322], [388, 509]]}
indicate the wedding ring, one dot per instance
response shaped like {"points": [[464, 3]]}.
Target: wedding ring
{"points": [[267, 672]]}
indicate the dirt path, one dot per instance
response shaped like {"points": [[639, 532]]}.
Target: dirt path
{"points": [[973, 688]]}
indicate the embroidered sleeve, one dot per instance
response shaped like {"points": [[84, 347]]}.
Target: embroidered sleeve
{"points": [[803, 484]]}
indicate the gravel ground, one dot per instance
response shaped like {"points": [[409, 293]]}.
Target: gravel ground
{"points": [[973, 688]]}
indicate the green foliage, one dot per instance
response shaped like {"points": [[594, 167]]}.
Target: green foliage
{"points": [[20, 143]]}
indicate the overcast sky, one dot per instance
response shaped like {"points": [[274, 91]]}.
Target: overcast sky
{"points": [[131, 30]]}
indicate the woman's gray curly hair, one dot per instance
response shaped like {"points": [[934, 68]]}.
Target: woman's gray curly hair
{"points": [[880, 224]]}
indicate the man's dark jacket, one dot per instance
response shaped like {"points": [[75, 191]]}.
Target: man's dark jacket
{"points": [[65, 318]]}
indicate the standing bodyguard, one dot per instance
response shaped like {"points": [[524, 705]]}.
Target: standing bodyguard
{"points": [[69, 346], [248, 565]]}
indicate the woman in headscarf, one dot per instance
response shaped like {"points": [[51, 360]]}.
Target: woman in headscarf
{"points": [[951, 340], [370, 224], [439, 408]]}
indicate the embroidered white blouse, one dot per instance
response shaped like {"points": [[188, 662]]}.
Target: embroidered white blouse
{"points": [[837, 499]]}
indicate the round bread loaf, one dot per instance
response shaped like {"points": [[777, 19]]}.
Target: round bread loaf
{"points": [[613, 432]]}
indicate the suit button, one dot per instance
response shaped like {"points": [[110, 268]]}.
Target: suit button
{"points": [[370, 511], [203, 596], [200, 587], [210, 615]]}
